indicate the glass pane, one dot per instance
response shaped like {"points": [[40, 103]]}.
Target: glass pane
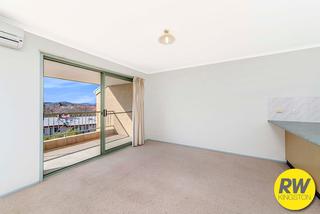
{"points": [[118, 104], [71, 127]]}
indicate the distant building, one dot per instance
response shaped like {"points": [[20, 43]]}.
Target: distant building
{"points": [[63, 122]]}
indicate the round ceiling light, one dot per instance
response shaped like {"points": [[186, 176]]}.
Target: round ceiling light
{"points": [[166, 38]]}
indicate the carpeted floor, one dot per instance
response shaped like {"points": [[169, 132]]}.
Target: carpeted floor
{"points": [[157, 178]]}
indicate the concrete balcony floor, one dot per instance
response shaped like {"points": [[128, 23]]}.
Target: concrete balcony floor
{"points": [[69, 155]]}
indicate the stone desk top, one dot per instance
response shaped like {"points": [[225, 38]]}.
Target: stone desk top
{"points": [[309, 131]]}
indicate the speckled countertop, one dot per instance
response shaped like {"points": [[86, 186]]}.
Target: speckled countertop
{"points": [[309, 131]]}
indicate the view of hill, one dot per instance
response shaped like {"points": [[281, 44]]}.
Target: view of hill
{"points": [[67, 107]]}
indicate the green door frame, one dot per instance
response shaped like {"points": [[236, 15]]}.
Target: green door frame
{"points": [[102, 113], [103, 76]]}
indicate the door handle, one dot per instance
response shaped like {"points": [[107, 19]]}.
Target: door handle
{"points": [[104, 112]]}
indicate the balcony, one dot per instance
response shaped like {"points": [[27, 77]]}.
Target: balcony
{"points": [[72, 137]]}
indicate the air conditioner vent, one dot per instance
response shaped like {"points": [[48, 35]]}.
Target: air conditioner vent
{"points": [[11, 36]]}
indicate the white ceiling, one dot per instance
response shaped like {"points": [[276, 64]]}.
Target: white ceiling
{"points": [[206, 31]]}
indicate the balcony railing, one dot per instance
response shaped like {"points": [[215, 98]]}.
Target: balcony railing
{"points": [[69, 124], [58, 125]]}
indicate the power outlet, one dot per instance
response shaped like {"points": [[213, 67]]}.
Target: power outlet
{"points": [[279, 110]]}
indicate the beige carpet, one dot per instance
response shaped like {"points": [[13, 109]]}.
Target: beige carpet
{"points": [[157, 178]]}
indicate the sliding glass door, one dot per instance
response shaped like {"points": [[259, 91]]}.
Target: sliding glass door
{"points": [[87, 112], [117, 97], [70, 127]]}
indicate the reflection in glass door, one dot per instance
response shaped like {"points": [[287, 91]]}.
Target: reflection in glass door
{"points": [[118, 96]]}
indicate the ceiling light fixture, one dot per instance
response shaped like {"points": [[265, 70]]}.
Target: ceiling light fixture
{"points": [[166, 38]]}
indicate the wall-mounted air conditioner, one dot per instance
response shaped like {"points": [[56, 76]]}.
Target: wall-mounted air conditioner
{"points": [[11, 36]]}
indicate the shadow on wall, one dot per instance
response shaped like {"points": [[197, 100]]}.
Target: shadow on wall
{"points": [[120, 97], [118, 100]]}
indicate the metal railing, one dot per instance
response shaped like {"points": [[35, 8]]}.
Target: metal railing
{"points": [[61, 125], [58, 125]]}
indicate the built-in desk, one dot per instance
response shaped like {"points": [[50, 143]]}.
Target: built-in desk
{"points": [[309, 131], [302, 146]]}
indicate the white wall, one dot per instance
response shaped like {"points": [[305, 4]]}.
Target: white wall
{"points": [[20, 92], [225, 106]]}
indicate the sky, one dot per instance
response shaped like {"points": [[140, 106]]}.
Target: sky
{"points": [[57, 90]]}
